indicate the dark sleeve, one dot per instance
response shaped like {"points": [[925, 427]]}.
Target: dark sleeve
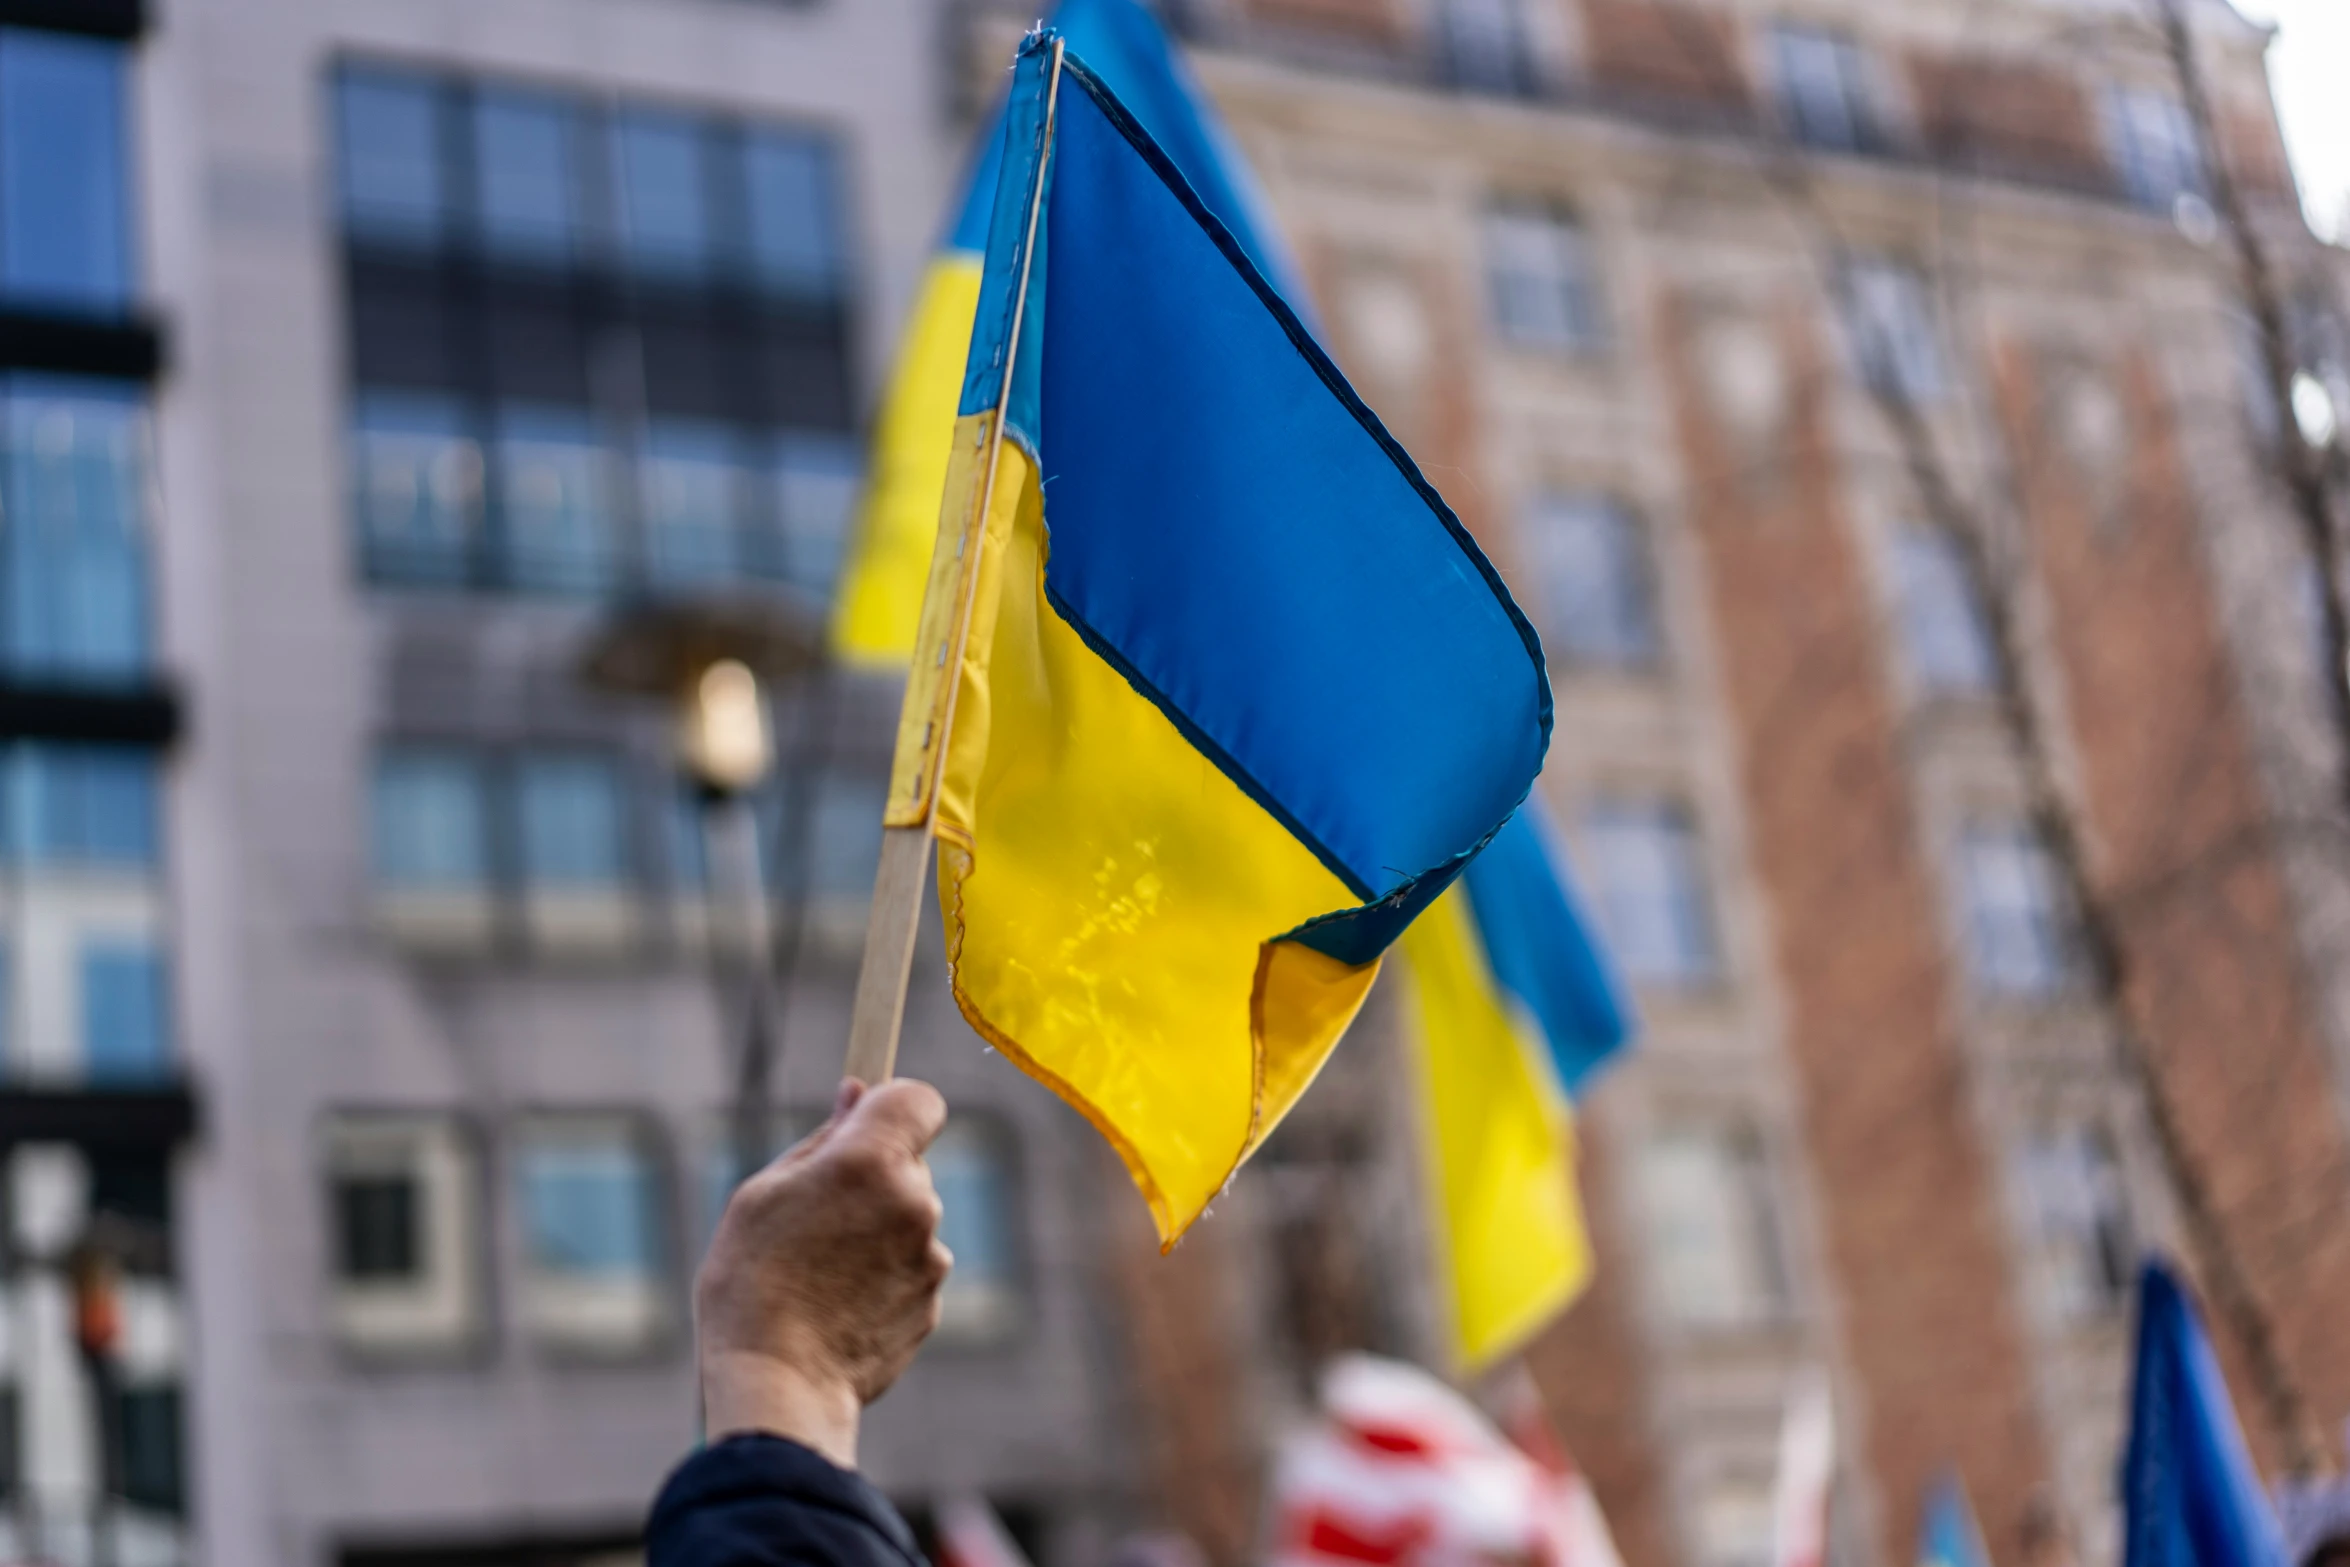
{"points": [[762, 1501]]}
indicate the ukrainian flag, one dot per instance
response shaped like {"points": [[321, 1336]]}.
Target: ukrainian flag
{"points": [[1512, 1007], [880, 601], [1238, 696], [1947, 1536]]}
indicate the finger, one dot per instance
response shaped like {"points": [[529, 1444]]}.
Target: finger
{"points": [[901, 1116], [843, 1101]]}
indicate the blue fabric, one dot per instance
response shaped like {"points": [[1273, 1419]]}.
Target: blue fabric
{"points": [[1544, 949], [762, 1501], [1020, 166], [2189, 1492], [1122, 44], [1948, 1536], [1233, 530]]}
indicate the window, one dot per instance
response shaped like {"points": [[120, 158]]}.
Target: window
{"points": [[845, 838], [1486, 46], [2155, 148], [379, 1227], [1647, 873], [573, 834], [973, 1174], [574, 841], [1890, 316], [430, 827], [796, 248], [84, 808], [663, 178], [816, 486], [394, 180], [1591, 569], [154, 1466], [588, 1207], [125, 1011], [2078, 1211], [73, 478], [1824, 89], [403, 1198], [1712, 1241], [2016, 915], [695, 489], [526, 179], [65, 236], [551, 488], [86, 978], [597, 348], [1943, 628], [416, 488], [1539, 280]]}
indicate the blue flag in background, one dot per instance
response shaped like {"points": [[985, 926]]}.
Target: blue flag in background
{"points": [[2189, 1493], [1948, 1536], [1542, 946]]}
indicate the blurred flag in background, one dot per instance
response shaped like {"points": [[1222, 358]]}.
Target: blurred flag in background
{"points": [[1949, 1537], [2190, 1496], [1399, 1470], [1513, 1006]]}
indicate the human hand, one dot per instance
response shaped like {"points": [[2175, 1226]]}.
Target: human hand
{"points": [[823, 1278]]}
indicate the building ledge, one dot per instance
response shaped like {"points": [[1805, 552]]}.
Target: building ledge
{"points": [[144, 714], [161, 1115], [103, 18], [128, 348]]}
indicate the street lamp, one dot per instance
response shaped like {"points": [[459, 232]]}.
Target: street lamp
{"points": [[716, 659]]}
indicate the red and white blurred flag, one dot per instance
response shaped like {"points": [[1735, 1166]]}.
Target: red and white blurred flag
{"points": [[971, 1535], [1572, 1531], [1807, 1471], [1401, 1471]]}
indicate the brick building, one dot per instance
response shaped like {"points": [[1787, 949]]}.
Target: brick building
{"points": [[1716, 319]]}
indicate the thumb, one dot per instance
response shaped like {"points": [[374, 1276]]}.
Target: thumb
{"points": [[903, 1115]]}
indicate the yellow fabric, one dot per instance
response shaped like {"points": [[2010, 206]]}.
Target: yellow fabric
{"points": [[1110, 895], [880, 600], [1510, 1235]]}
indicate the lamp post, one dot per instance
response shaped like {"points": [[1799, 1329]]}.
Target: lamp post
{"points": [[717, 660]]}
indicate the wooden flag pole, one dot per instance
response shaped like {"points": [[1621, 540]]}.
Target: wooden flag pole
{"points": [[928, 715]]}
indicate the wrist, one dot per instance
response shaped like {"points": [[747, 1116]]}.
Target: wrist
{"points": [[746, 1391]]}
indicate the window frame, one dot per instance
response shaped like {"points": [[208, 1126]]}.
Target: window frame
{"points": [[977, 1324], [2055, 934], [1788, 42], [2113, 1238], [115, 299], [1701, 967], [1636, 640], [1743, 1156], [1572, 283], [1511, 65], [1936, 597], [654, 1296], [1898, 351], [2154, 172], [446, 1321]]}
